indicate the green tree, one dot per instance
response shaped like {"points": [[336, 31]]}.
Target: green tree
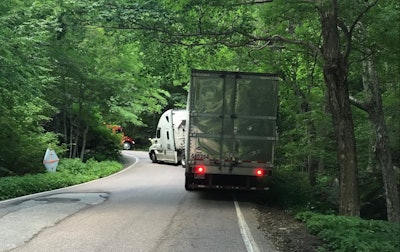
{"points": [[26, 70], [101, 78], [371, 101], [340, 36]]}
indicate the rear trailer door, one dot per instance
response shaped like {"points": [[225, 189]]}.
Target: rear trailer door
{"points": [[232, 127]]}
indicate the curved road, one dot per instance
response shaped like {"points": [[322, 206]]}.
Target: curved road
{"points": [[143, 208]]}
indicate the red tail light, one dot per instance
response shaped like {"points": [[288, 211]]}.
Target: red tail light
{"points": [[200, 169], [260, 172]]}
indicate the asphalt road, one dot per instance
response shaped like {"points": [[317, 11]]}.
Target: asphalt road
{"points": [[143, 208]]}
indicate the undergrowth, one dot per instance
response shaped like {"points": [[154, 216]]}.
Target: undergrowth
{"points": [[317, 207], [69, 172], [348, 234]]}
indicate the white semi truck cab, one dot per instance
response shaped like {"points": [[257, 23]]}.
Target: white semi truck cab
{"points": [[169, 144]]}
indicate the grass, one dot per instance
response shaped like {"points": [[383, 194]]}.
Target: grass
{"points": [[69, 172]]}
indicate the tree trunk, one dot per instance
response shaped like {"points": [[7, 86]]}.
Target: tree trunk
{"points": [[84, 139], [71, 137], [335, 75], [382, 149], [312, 161], [76, 138]]}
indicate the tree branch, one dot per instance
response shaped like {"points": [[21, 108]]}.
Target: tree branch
{"points": [[358, 104], [255, 2], [348, 32], [361, 14], [277, 38]]}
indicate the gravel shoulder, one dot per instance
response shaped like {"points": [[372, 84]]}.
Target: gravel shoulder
{"points": [[285, 232]]}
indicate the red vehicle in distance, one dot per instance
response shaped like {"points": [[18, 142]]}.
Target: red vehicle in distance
{"points": [[127, 142]]}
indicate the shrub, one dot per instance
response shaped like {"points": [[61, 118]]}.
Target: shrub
{"points": [[23, 153], [70, 172], [291, 188], [102, 145], [73, 166], [347, 234], [326, 195]]}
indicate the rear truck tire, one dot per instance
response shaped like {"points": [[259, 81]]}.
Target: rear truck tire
{"points": [[153, 157], [127, 146], [188, 181]]}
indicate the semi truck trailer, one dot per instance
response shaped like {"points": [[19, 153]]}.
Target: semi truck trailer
{"points": [[230, 131]]}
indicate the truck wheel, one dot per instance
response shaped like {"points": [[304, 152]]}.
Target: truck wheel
{"points": [[153, 157], [187, 184], [127, 146]]}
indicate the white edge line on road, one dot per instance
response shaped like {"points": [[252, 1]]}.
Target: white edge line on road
{"points": [[248, 239], [59, 189]]}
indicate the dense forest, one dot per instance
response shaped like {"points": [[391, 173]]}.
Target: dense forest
{"points": [[68, 68]]}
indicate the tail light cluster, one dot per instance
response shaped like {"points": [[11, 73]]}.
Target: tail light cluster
{"points": [[200, 169], [260, 172]]}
